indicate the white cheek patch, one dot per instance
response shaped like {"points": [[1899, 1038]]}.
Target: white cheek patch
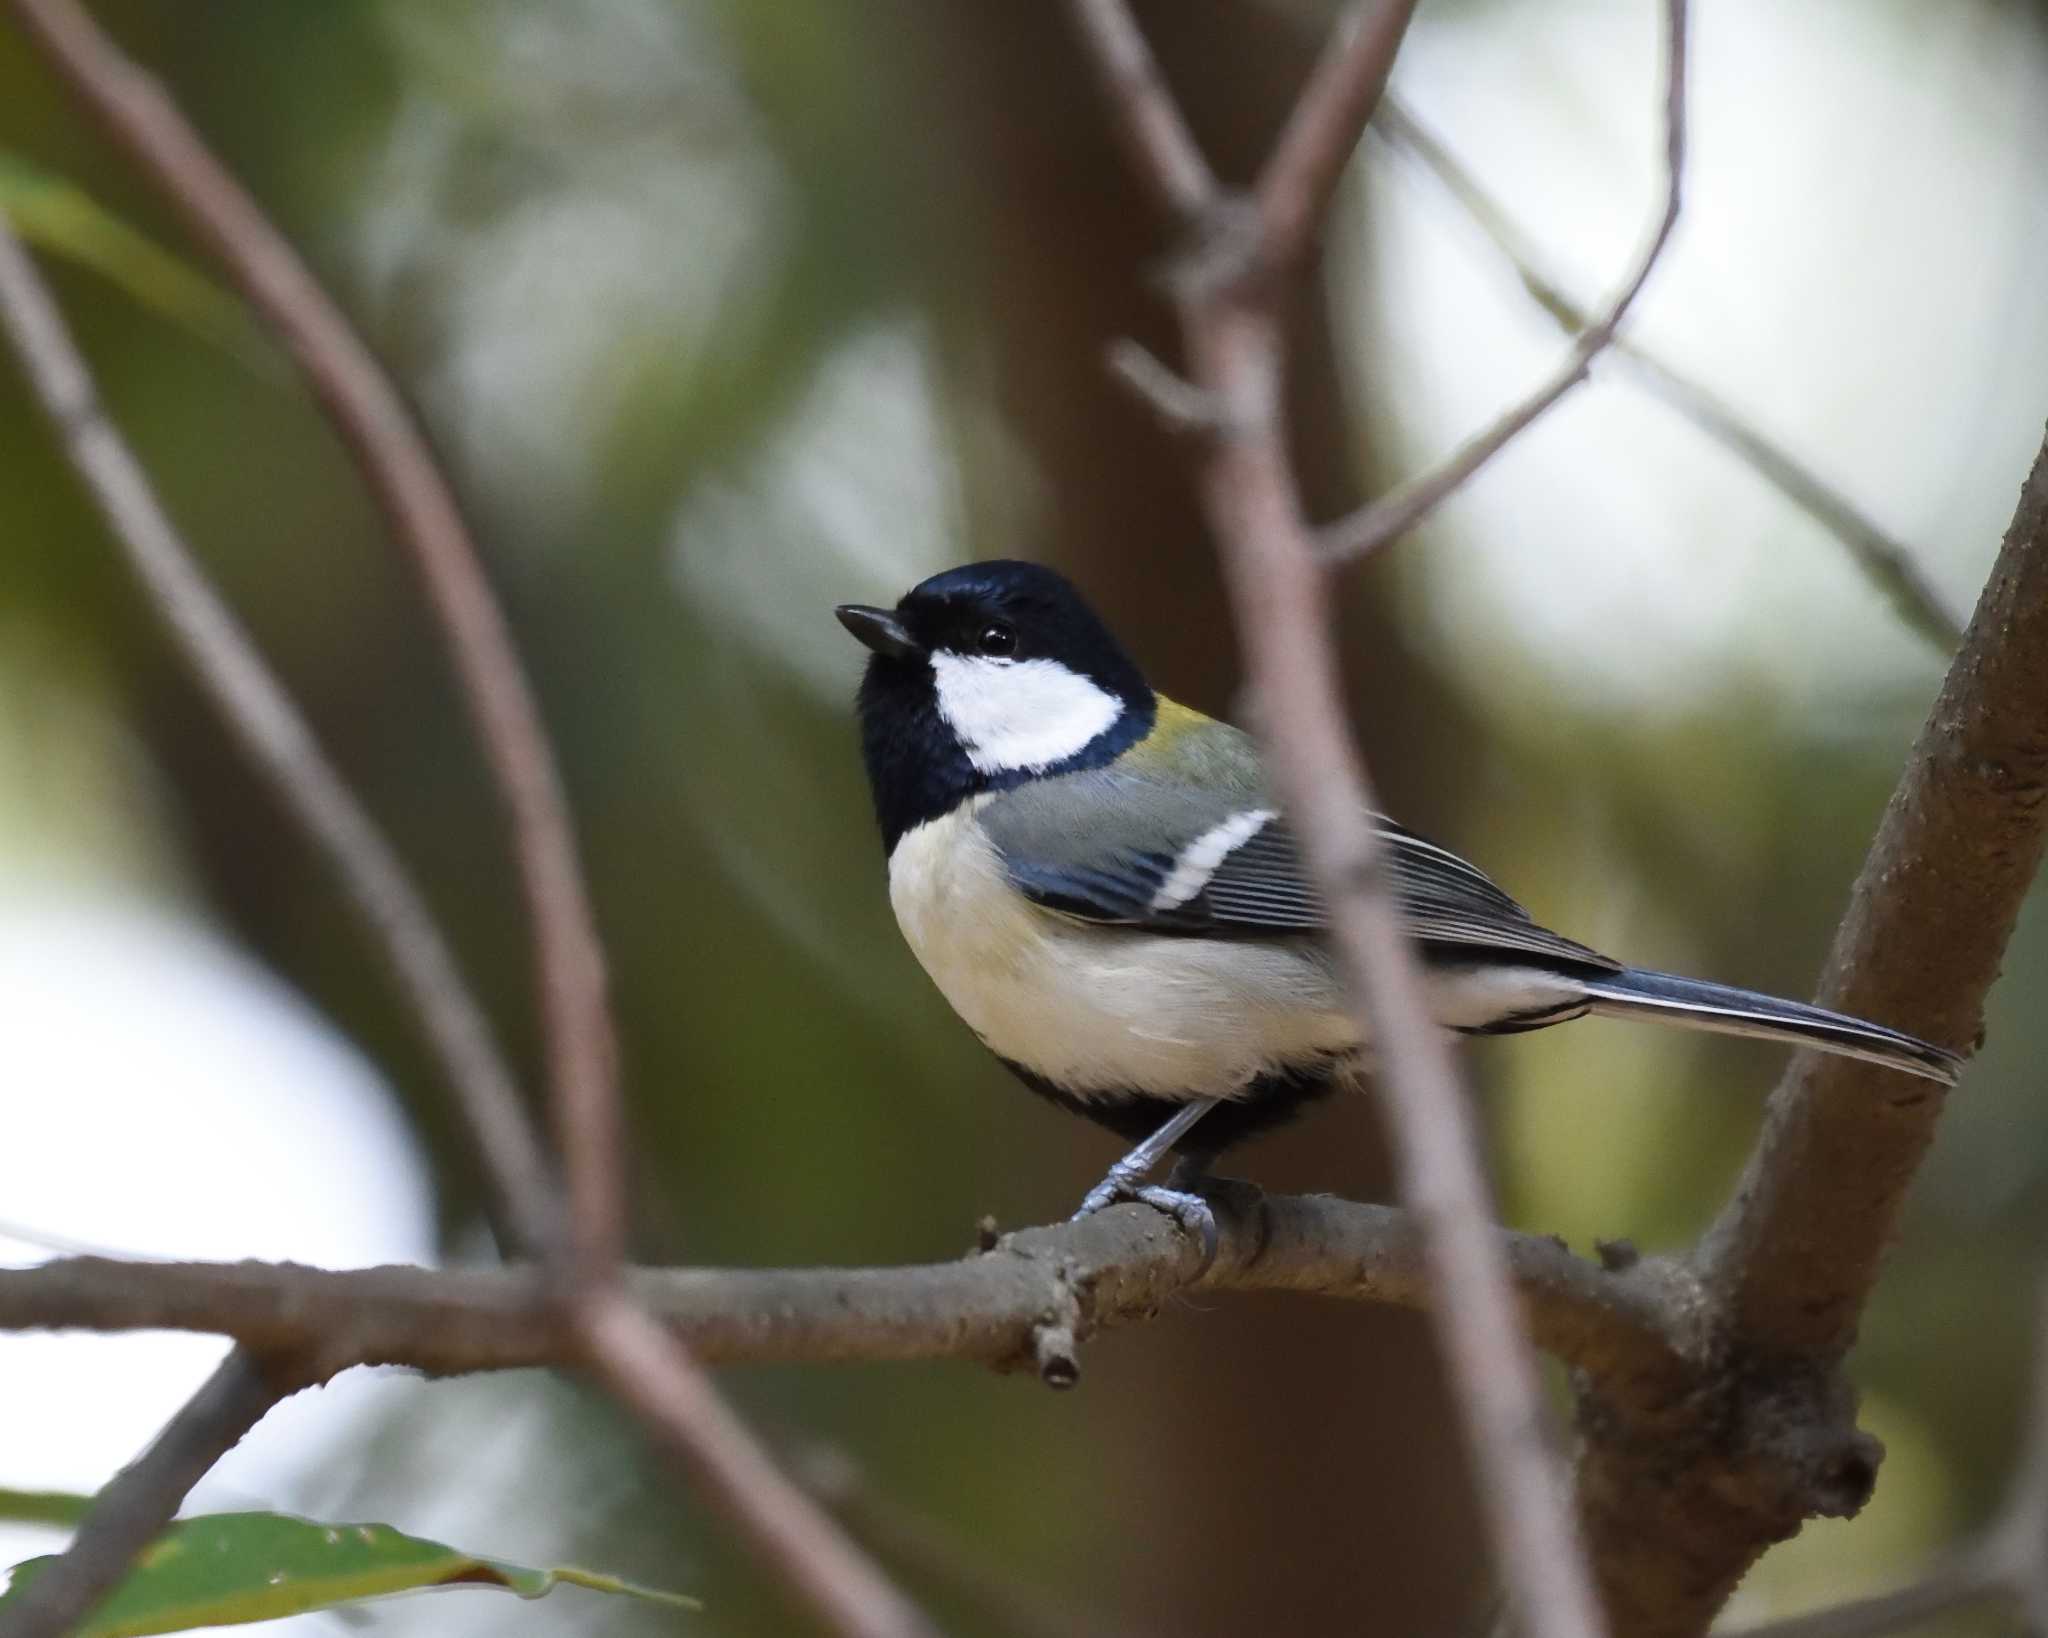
{"points": [[1020, 715], [1202, 857]]}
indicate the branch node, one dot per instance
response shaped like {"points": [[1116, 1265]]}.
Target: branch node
{"points": [[1055, 1340], [1181, 406]]}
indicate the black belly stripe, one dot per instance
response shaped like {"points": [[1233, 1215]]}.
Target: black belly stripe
{"points": [[1271, 1100]]}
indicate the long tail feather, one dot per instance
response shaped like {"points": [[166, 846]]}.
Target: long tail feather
{"points": [[1696, 1004]]}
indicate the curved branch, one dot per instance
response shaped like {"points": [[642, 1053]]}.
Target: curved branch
{"points": [[1791, 1261], [278, 740], [401, 472], [1890, 565], [642, 1367], [1795, 1254], [1379, 523], [1116, 1268]]}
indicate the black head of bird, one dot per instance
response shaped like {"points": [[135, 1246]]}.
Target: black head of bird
{"points": [[983, 677]]}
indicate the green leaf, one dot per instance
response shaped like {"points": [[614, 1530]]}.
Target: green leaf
{"points": [[224, 1568], [61, 218], [58, 1507]]}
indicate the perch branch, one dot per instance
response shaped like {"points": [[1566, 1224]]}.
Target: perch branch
{"points": [[1382, 521], [1890, 565], [1116, 1268]]}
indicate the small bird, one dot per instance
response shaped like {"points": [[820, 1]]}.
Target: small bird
{"points": [[1099, 880]]}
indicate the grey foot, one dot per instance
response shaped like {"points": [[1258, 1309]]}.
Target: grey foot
{"points": [[1187, 1209]]}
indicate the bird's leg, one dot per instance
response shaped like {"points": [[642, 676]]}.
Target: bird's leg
{"points": [[1126, 1181]]}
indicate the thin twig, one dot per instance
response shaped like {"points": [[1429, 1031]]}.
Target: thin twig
{"points": [[1002, 1601], [778, 1521], [276, 737], [1121, 1267], [1279, 596], [1232, 317], [372, 419], [1384, 520], [1164, 153], [1301, 174], [1173, 398], [648, 1371], [136, 1504], [1889, 564], [1957, 1583]]}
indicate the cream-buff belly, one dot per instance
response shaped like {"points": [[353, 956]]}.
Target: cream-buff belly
{"points": [[1105, 1009], [1111, 1009]]}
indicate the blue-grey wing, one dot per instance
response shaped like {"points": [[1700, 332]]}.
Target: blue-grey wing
{"points": [[1110, 846]]}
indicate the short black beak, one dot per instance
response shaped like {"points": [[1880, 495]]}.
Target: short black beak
{"points": [[879, 630]]}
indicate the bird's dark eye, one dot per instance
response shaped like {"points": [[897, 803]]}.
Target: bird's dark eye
{"points": [[996, 640]]}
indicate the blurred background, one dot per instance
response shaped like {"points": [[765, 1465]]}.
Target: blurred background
{"points": [[725, 312]]}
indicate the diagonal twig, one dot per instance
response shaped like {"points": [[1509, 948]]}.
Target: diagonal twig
{"points": [[277, 738], [1234, 332], [647, 1370], [1300, 176], [1002, 1603], [136, 1504], [372, 419], [1164, 153], [1384, 520], [1888, 563]]}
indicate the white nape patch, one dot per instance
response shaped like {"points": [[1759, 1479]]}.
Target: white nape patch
{"points": [[1202, 857], [1020, 715]]}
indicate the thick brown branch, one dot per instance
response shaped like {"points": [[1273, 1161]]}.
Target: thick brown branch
{"points": [[2005, 1561], [1385, 520], [1797, 1251], [145, 1496], [1677, 1509], [1116, 1268], [276, 737]]}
